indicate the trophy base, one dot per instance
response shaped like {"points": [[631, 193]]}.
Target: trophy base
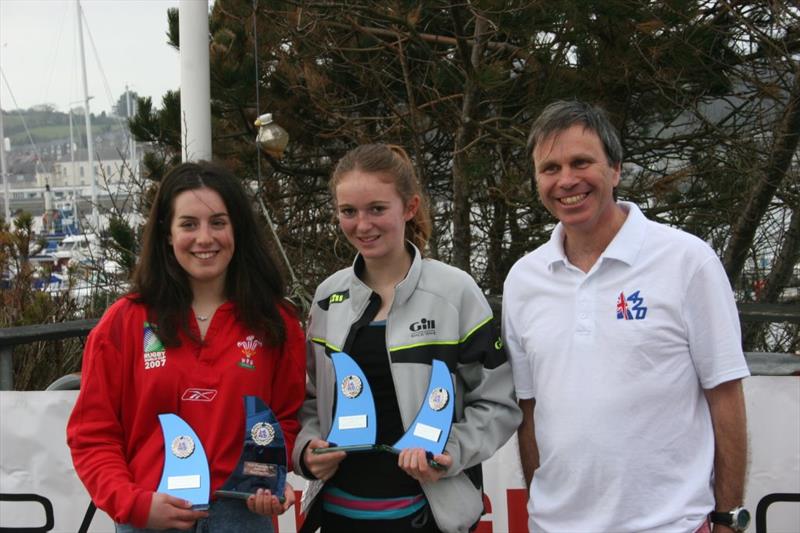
{"points": [[428, 455], [353, 448], [236, 495], [356, 448]]}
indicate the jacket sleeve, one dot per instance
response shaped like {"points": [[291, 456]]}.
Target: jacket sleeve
{"points": [[96, 437], [491, 414], [309, 418], [288, 383]]}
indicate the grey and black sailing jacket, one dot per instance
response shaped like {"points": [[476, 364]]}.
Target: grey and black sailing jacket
{"points": [[438, 312]]}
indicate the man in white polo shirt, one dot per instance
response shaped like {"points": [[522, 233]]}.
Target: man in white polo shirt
{"points": [[625, 344]]}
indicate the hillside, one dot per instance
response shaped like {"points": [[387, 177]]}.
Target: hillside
{"points": [[47, 125]]}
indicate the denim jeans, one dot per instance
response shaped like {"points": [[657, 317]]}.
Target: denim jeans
{"points": [[224, 516]]}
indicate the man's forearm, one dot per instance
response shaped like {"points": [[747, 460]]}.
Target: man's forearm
{"points": [[528, 449], [726, 402]]}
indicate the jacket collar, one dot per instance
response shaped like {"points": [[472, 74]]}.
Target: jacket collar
{"points": [[359, 291]]}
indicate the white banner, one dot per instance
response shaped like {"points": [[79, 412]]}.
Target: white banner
{"points": [[38, 485]]}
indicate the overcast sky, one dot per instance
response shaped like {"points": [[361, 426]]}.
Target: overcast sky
{"points": [[39, 52]]}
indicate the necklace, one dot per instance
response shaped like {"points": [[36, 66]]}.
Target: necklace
{"points": [[204, 317]]}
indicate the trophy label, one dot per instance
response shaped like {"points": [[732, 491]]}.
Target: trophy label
{"points": [[262, 433], [427, 432], [183, 482], [182, 446], [352, 422], [251, 468], [351, 386]]}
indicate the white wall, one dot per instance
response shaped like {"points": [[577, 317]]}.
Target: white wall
{"points": [[34, 459]]}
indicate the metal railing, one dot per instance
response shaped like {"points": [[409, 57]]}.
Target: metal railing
{"points": [[759, 363], [11, 337], [758, 312]]}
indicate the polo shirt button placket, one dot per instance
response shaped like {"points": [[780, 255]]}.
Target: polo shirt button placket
{"points": [[583, 309]]}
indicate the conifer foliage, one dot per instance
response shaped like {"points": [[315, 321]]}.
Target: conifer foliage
{"points": [[704, 92]]}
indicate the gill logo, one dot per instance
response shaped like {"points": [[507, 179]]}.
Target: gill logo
{"points": [[337, 298], [423, 324], [426, 326]]}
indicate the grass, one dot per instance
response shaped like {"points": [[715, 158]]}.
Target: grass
{"points": [[49, 126]]}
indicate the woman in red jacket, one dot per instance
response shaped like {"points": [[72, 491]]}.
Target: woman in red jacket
{"points": [[205, 324]]}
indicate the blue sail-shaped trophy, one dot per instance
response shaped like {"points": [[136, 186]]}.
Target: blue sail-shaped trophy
{"points": [[431, 427], [185, 474], [262, 464], [354, 426]]}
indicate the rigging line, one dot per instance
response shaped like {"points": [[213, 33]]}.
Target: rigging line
{"points": [[73, 81], [109, 96], [297, 288], [258, 99], [39, 160]]}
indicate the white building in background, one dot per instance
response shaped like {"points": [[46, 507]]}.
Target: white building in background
{"points": [[111, 170]]}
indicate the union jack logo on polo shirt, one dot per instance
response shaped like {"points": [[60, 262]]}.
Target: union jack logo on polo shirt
{"points": [[631, 308]]}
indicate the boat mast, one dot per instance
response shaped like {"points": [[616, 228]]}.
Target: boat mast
{"points": [[75, 195], [89, 144], [131, 141], [3, 169], [195, 81]]}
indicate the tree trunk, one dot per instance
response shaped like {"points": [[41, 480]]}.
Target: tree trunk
{"points": [[417, 141], [462, 238], [784, 147], [778, 278]]}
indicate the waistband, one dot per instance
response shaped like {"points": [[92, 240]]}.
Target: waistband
{"points": [[343, 503]]}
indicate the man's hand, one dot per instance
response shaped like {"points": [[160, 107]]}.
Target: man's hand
{"points": [[169, 512], [323, 465], [415, 463], [265, 503]]}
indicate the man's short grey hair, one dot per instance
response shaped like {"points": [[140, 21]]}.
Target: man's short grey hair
{"points": [[563, 114]]}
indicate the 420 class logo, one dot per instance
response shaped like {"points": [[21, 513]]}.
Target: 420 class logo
{"points": [[631, 308]]}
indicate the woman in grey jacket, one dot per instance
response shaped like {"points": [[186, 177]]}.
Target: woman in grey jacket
{"points": [[394, 312]]}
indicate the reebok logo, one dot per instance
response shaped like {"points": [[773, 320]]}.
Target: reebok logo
{"points": [[199, 395], [423, 327]]}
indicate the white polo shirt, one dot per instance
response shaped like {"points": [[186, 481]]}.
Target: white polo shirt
{"points": [[617, 360]]}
